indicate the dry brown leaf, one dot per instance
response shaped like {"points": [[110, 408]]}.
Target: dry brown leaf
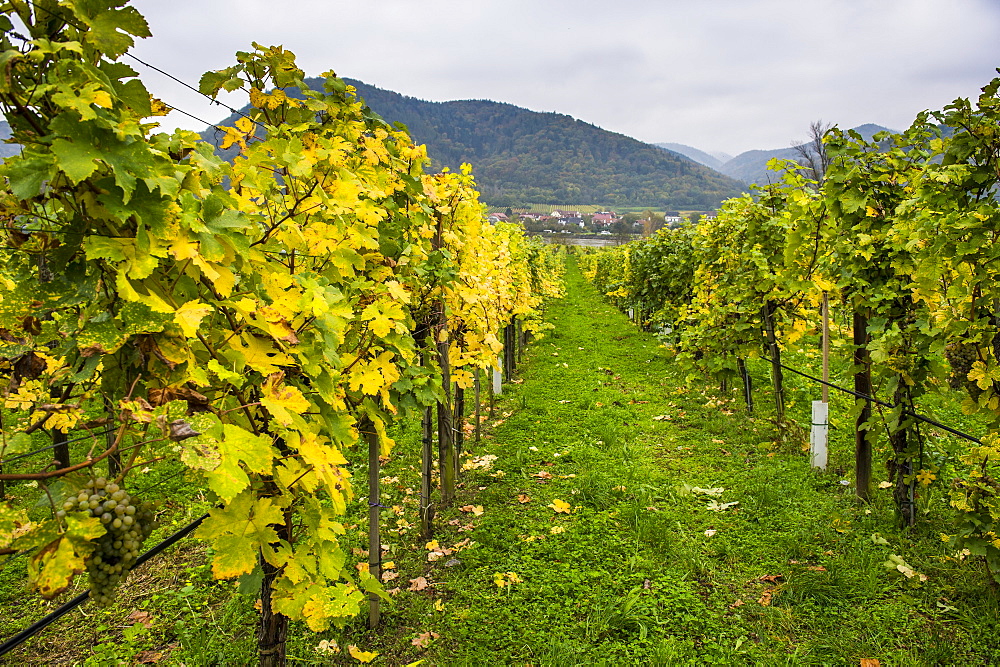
{"points": [[142, 617], [816, 568], [523, 498], [772, 578], [418, 584], [389, 576], [542, 474], [765, 598], [870, 662], [424, 640], [149, 657], [738, 603]]}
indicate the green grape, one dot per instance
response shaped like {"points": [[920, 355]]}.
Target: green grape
{"points": [[127, 526]]}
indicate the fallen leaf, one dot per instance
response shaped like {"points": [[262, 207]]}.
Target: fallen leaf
{"points": [[542, 474], [389, 576], [772, 578], [816, 568], [466, 528], [738, 603], [432, 545], [556, 530], [523, 498], [765, 598], [560, 506], [477, 510], [418, 584], [439, 605], [454, 522], [424, 640], [149, 657], [870, 662], [660, 418], [647, 584], [361, 656], [710, 532], [328, 647], [144, 618]]}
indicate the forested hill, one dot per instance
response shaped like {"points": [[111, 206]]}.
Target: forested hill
{"points": [[523, 156], [526, 156]]}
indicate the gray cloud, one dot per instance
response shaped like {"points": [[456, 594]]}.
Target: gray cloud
{"points": [[722, 75]]}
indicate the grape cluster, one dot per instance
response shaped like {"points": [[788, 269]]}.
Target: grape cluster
{"points": [[961, 356], [127, 524]]}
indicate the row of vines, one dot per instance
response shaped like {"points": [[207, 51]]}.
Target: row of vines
{"points": [[902, 237], [254, 319]]}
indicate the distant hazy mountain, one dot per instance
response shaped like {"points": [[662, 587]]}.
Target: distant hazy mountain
{"points": [[523, 156], [751, 166], [699, 156]]}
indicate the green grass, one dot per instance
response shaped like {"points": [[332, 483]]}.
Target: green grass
{"points": [[637, 576]]}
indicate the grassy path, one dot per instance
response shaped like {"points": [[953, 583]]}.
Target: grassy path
{"points": [[693, 536]]}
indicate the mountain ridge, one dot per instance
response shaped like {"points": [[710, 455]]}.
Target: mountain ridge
{"points": [[750, 166], [522, 156]]}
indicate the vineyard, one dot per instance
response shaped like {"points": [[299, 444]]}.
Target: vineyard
{"points": [[248, 326]]}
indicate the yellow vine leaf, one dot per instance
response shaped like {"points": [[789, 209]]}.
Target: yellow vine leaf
{"points": [[238, 531], [361, 656], [260, 354], [560, 506], [283, 400], [189, 316]]}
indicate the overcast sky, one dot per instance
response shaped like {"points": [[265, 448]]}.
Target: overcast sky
{"points": [[720, 75]]}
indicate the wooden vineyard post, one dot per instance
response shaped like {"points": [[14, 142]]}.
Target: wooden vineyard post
{"points": [[459, 422], [374, 505], [61, 450], [446, 439], [479, 411], [741, 365], [426, 474], [509, 351], [519, 330], [114, 461], [862, 385], [767, 314]]}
